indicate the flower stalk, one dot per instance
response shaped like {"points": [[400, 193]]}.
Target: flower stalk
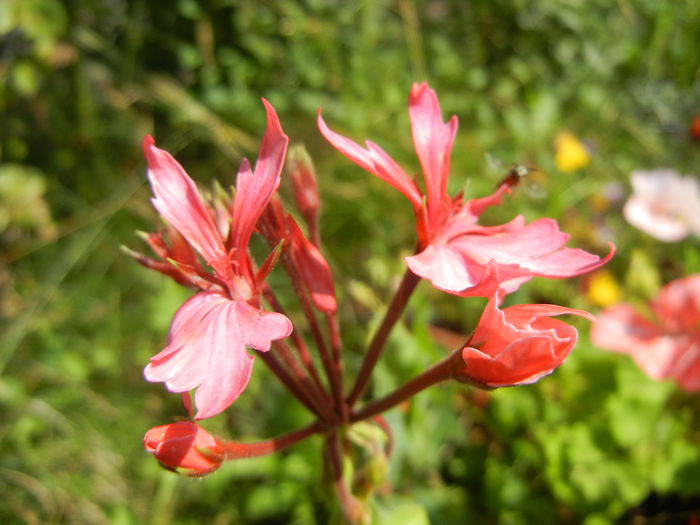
{"points": [[374, 350], [439, 372]]}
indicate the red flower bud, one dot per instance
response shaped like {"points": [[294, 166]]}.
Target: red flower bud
{"points": [[303, 177], [517, 345], [185, 448]]}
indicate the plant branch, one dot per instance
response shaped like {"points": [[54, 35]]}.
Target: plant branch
{"points": [[374, 350], [236, 450], [437, 373]]}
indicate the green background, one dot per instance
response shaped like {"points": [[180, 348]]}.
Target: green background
{"points": [[82, 81]]}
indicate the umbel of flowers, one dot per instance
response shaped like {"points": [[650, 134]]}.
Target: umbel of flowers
{"points": [[234, 316]]}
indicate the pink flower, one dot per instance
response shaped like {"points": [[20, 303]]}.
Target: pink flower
{"points": [[667, 345], [185, 448], [517, 345], [209, 334], [664, 204], [456, 253]]}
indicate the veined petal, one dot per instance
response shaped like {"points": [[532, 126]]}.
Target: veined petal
{"points": [[374, 160], [433, 141], [178, 201], [255, 188], [537, 247], [455, 272], [207, 349]]}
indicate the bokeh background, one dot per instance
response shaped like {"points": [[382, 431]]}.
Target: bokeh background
{"points": [[81, 81]]}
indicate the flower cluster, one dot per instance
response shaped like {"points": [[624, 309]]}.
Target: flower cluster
{"points": [[667, 345], [235, 316]]}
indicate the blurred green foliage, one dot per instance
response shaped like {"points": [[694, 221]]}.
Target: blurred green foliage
{"points": [[82, 80]]}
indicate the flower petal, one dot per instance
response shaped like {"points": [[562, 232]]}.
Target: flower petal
{"points": [[621, 329], [433, 141], [255, 188], [455, 272], [677, 306], [207, 349], [178, 201], [375, 160], [517, 345]]}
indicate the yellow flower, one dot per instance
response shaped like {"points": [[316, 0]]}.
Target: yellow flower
{"points": [[603, 289], [570, 153]]}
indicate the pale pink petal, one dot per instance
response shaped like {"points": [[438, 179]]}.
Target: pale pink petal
{"points": [[433, 141], [664, 204], [254, 189], [178, 201], [537, 247], [374, 160], [207, 349], [455, 272], [660, 224], [621, 329]]}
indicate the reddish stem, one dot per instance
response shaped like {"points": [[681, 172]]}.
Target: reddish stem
{"points": [[336, 345], [292, 385], [315, 392], [298, 341], [437, 373], [374, 350], [236, 450]]}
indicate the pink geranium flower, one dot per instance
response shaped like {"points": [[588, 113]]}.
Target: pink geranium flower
{"points": [[666, 346], [456, 253], [517, 345], [664, 204], [209, 334]]}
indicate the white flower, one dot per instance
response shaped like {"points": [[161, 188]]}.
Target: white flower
{"points": [[664, 204]]}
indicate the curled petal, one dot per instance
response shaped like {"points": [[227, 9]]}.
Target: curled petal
{"points": [[207, 349], [517, 345]]}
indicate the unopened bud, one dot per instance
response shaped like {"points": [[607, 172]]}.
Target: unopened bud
{"points": [[185, 448], [303, 177]]}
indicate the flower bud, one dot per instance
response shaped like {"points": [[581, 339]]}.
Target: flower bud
{"points": [[185, 448], [303, 177], [517, 345]]}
